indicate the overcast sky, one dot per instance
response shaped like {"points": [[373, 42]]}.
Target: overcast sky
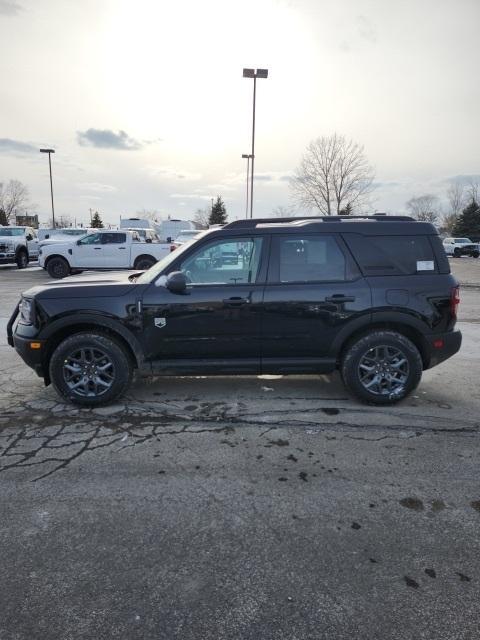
{"points": [[145, 104]]}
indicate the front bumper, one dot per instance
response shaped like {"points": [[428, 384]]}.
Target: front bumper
{"points": [[451, 343], [23, 345]]}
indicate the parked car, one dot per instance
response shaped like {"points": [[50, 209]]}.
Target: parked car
{"points": [[146, 235], [102, 250], [18, 245], [458, 247], [185, 236], [62, 234], [372, 297]]}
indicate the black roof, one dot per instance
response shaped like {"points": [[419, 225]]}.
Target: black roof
{"points": [[366, 225]]}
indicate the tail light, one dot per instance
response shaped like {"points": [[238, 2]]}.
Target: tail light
{"points": [[454, 301], [172, 248]]}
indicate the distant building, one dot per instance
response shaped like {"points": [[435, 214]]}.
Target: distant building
{"points": [[27, 221]]}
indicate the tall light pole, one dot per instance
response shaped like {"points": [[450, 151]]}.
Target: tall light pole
{"points": [[50, 151], [252, 73], [247, 156]]}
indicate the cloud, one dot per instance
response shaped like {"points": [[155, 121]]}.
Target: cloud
{"points": [[15, 146], [170, 173], [463, 179], [97, 187], [366, 29], [189, 196], [9, 8], [107, 139]]}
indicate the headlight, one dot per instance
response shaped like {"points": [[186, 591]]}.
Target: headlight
{"points": [[27, 311]]}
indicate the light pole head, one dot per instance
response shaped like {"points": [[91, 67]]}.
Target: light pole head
{"points": [[47, 150], [249, 73], [246, 155], [262, 73]]}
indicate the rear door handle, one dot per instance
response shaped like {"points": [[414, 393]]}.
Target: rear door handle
{"points": [[340, 298], [121, 248], [236, 301], [97, 248]]}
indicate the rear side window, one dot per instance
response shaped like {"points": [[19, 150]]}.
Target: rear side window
{"points": [[309, 258], [114, 238], [392, 255]]}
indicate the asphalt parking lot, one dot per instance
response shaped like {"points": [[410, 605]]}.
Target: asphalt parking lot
{"points": [[241, 508]]}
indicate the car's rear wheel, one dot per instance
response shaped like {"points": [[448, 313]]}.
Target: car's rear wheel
{"points": [[22, 259], [475, 254], [382, 367], [144, 262], [58, 267], [457, 253], [90, 369]]}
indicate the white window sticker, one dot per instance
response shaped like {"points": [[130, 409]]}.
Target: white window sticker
{"points": [[425, 265]]}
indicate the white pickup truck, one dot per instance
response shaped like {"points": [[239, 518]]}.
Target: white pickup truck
{"points": [[103, 250], [18, 245]]}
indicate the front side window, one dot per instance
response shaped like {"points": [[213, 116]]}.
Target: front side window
{"points": [[94, 238], [232, 261], [310, 258]]}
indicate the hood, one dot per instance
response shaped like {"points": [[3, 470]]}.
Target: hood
{"points": [[90, 285]]}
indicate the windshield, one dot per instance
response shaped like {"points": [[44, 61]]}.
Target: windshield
{"points": [[6, 231], [153, 272]]}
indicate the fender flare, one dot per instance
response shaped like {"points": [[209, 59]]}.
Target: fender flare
{"points": [[101, 321], [21, 247]]}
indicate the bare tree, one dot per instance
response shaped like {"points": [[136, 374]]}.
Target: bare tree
{"points": [[425, 208], [284, 212], [472, 190], [333, 174], [13, 199], [148, 214], [201, 217], [456, 198]]}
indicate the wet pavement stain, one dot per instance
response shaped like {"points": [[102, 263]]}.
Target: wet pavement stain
{"points": [[356, 525], [330, 411], [292, 458], [438, 505], [280, 442], [303, 476], [431, 573], [410, 582], [476, 505], [412, 503], [463, 577]]}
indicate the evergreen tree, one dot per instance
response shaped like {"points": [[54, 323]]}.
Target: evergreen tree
{"points": [[468, 222], [97, 221], [218, 214], [346, 211]]}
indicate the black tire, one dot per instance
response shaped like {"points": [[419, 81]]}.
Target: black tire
{"points": [[391, 381], [22, 259], [144, 262], [457, 253], [58, 268], [104, 375], [475, 254]]}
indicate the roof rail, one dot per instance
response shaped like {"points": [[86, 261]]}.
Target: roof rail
{"points": [[253, 222]]}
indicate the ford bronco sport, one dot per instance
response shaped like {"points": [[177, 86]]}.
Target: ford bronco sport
{"points": [[372, 297]]}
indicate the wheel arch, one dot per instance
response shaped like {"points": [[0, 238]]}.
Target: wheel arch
{"points": [[406, 329], [81, 323], [144, 256]]}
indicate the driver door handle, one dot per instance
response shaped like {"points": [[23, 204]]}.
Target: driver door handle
{"points": [[340, 298], [236, 301], [97, 248]]}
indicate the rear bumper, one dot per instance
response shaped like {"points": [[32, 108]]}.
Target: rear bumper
{"points": [[450, 344]]}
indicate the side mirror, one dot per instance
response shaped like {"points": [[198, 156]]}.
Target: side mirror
{"points": [[176, 282], [29, 237]]}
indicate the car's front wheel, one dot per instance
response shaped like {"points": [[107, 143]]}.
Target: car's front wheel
{"points": [[22, 259], [58, 267], [457, 253], [90, 369], [382, 367]]}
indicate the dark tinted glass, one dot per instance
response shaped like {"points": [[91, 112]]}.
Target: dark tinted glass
{"points": [[392, 255], [114, 238], [312, 258]]}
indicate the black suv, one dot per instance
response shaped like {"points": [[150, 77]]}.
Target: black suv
{"points": [[372, 297]]}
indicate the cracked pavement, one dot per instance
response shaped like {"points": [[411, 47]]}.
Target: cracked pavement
{"points": [[205, 508]]}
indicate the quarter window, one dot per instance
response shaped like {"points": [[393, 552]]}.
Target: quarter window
{"points": [[233, 261]]}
